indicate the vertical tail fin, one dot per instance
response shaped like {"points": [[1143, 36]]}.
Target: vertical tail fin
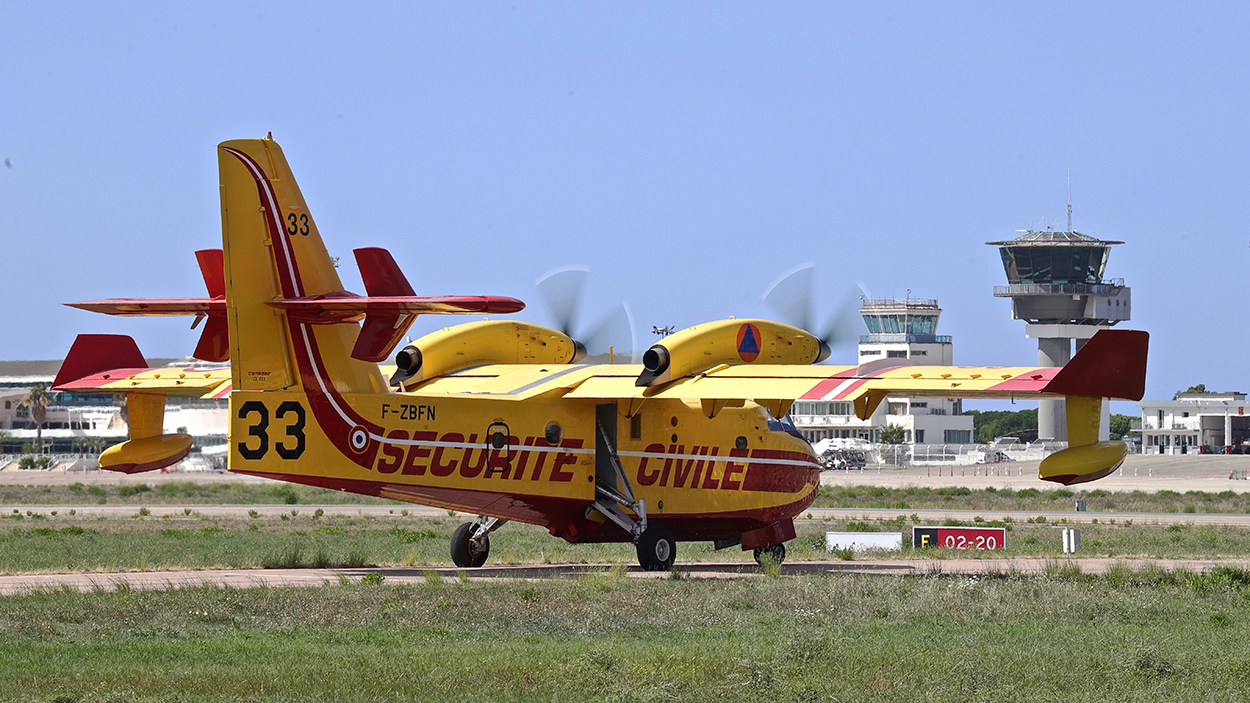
{"points": [[272, 250]]}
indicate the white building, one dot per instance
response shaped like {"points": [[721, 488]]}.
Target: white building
{"points": [[1195, 422], [902, 330], [74, 420]]}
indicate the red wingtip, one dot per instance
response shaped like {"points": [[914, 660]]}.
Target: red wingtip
{"points": [[94, 353], [1112, 364]]}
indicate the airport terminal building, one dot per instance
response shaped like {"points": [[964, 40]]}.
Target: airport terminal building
{"points": [[1193, 423], [88, 422]]}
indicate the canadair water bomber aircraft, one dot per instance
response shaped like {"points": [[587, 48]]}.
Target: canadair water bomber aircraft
{"points": [[497, 418]]}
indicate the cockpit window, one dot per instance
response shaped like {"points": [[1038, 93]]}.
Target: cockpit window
{"points": [[785, 424]]}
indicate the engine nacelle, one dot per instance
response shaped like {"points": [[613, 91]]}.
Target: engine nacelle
{"points": [[732, 342], [480, 343]]}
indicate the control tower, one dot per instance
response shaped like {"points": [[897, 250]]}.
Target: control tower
{"points": [[1056, 285], [904, 329]]}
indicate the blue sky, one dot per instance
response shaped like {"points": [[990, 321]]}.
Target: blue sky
{"points": [[688, 153]]}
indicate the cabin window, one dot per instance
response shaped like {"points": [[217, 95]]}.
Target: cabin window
{"points": [[635, 426], [554, 434]]}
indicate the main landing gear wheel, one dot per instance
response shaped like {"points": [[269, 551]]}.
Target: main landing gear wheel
{"points": [[656, 549], [467, 552], [777, 553]]}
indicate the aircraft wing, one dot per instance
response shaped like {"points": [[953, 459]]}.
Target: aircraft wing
{"points": [[348, 305], [109, 363], [832, 383], [1111, 365]]}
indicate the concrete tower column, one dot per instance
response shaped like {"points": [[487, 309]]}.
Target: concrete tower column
{"points": [[1104, 423], [1052, 419]]}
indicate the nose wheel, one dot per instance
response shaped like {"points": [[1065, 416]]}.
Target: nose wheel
{"points": [[656, 549], [777, 553]]}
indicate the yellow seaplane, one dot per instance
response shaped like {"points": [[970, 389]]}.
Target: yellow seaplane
{"points": [[497, 418]]}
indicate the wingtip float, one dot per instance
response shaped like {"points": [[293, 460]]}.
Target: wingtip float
{"points": [[498, 418]]}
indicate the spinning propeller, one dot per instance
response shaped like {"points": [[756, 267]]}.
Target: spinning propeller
{"points": [[562, 290], [792, 296]]}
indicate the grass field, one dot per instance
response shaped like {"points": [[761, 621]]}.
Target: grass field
{"points": [[64, 542], [180, 493], [1127, 636]]}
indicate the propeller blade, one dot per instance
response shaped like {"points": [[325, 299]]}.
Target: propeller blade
{"points": [[791, 296], [845, 325], [561, 289], [616, 330]]}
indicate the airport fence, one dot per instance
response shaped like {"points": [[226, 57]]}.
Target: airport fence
{"points": [[959, 454]]}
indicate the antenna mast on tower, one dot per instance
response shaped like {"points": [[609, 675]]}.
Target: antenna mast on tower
{"points": [[1069, 199]]}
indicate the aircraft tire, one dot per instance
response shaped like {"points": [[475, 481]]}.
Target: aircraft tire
{"points": [[656, 549], [777, 552], [463, 553]]}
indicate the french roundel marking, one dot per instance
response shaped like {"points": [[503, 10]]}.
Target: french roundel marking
{"points": [[358, 438], [748, 342]]}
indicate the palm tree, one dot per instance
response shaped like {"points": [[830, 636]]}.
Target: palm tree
{"points": [[892, 434], [38, 401]]}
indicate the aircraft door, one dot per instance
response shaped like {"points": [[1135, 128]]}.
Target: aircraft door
{"points": [[605, 417], [500, 439]]}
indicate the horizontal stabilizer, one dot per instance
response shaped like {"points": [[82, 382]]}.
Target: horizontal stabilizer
{"points": [[214, 343], [154, 307], [1112, 364], [210, 261], [343, 306]]}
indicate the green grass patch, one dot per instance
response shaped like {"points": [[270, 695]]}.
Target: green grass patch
{"points": [[1150, 635], [181, 492]]}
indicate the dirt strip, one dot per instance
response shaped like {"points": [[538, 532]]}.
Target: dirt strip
{"points": [[287, 578]]}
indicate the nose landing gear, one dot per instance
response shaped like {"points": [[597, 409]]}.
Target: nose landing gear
{"points": [[777, 553], [656, 549]]}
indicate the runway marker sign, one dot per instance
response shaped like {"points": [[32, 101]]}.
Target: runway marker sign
{"points": [[979, 539]]}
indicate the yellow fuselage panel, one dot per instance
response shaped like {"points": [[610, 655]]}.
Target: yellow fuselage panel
{"points": [[434, 449]]}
